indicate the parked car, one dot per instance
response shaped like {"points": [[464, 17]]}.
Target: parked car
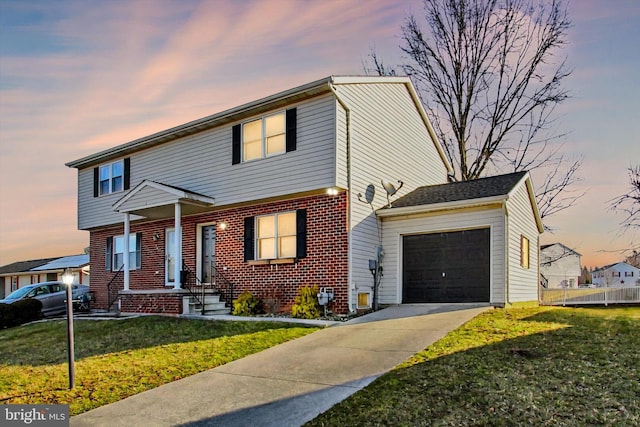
{"points": [[53, 296]]}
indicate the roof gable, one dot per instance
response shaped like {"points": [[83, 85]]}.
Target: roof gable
{"points": [[565, 249], [155, 200]]}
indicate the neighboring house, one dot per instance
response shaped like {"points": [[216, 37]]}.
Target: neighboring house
{"points": [[560, 266], [22, 273], [618, 274], [286, 191]]}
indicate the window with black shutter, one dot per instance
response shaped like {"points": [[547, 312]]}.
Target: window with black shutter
{"points": [[265, 136]]}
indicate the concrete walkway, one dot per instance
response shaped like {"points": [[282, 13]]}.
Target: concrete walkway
{"points": [[290, 384]]}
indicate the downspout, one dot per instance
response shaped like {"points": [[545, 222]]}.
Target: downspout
{"points": [[506, 252], [349, 239]]}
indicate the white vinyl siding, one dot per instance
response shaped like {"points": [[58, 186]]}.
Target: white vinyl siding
{"points": [[523, 282], [389, 140], [201, 163], [397, 227]]}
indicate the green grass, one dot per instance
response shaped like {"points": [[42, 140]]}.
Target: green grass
{"points": [[529, 366], [118, 358]]}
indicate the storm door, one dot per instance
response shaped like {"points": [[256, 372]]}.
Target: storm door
{"points": [[170, 258], [208, 257]]}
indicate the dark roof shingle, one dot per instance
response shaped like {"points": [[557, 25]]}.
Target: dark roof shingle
{"points": [[24, 266], [492, 186]]}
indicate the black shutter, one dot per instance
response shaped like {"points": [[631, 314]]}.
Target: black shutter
{"points": [[127, 168], [301, 233], [235, 145], [138, 250], [248, 238], [96, 181], [291, 129], [108, 254]]}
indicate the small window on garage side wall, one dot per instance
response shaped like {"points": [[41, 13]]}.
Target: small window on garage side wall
{"points": [[524, 252]]}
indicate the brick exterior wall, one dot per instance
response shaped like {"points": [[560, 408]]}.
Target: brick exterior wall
{"points": [[152, 303], [326, 263]]}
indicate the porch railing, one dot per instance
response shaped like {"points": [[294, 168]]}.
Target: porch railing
{"points": [[219, 284], [585, 296], [113, 290]]}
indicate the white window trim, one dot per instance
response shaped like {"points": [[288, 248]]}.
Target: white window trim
{"points": [[263, 147], [276, 236], [132, 250], [110, 179]]}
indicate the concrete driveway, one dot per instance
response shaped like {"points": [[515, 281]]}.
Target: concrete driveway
{"points": [[290, 384]]}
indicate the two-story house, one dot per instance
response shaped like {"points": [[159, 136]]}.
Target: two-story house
{"points": [[286, 191], [559, 266], [619, 274]]}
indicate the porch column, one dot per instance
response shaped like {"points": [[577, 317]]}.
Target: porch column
{"points": [[178, 246], [125, 255]]}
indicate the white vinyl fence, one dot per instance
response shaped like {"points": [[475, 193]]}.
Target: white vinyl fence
{"points": [[583, 296]]}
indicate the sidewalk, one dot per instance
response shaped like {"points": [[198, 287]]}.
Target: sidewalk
{"points": [[290, 384]]}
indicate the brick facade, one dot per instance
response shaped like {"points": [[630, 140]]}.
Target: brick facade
{"points": [[326, 263]]}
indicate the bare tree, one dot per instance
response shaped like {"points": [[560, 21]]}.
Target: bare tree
{"points": [[488, 74], [629, 203]]}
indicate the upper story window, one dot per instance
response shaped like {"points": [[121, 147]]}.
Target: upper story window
{"points": [[263, 137], [628, 274], [267, 136], [111, 178]]}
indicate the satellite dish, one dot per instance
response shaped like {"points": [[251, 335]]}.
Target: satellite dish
{"points": [[391, 189]]}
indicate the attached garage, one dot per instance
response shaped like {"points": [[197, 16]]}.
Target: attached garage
{"points": [[446, 267], [462, 242]]}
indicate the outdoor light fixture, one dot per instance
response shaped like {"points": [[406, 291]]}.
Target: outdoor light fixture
{"points": [[332, 191], [222, 225], [67, 279]]}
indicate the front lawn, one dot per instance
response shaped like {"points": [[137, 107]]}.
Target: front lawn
{"points": [[118, 358], [534, 366]]}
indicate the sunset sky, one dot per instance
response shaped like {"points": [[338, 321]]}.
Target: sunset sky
{"points": [[77, 77]]}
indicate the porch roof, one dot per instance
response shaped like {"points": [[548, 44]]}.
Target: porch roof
{"points": [[155, 200]]}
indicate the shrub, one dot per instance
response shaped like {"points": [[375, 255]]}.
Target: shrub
{"points": [[246, 305], [7, 316], [272, 301], [22, 311], [306, 304]]}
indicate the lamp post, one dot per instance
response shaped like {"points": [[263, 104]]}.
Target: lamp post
{"points": [[67, 279]]}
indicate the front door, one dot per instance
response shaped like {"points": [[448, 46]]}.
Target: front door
{"points": [[208, 252], [170, 260]]}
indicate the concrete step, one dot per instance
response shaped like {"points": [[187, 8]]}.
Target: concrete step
{"points": [[212, 305]]}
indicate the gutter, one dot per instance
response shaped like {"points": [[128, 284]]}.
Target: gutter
{"points": [[435, 207], [506, 252]]}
